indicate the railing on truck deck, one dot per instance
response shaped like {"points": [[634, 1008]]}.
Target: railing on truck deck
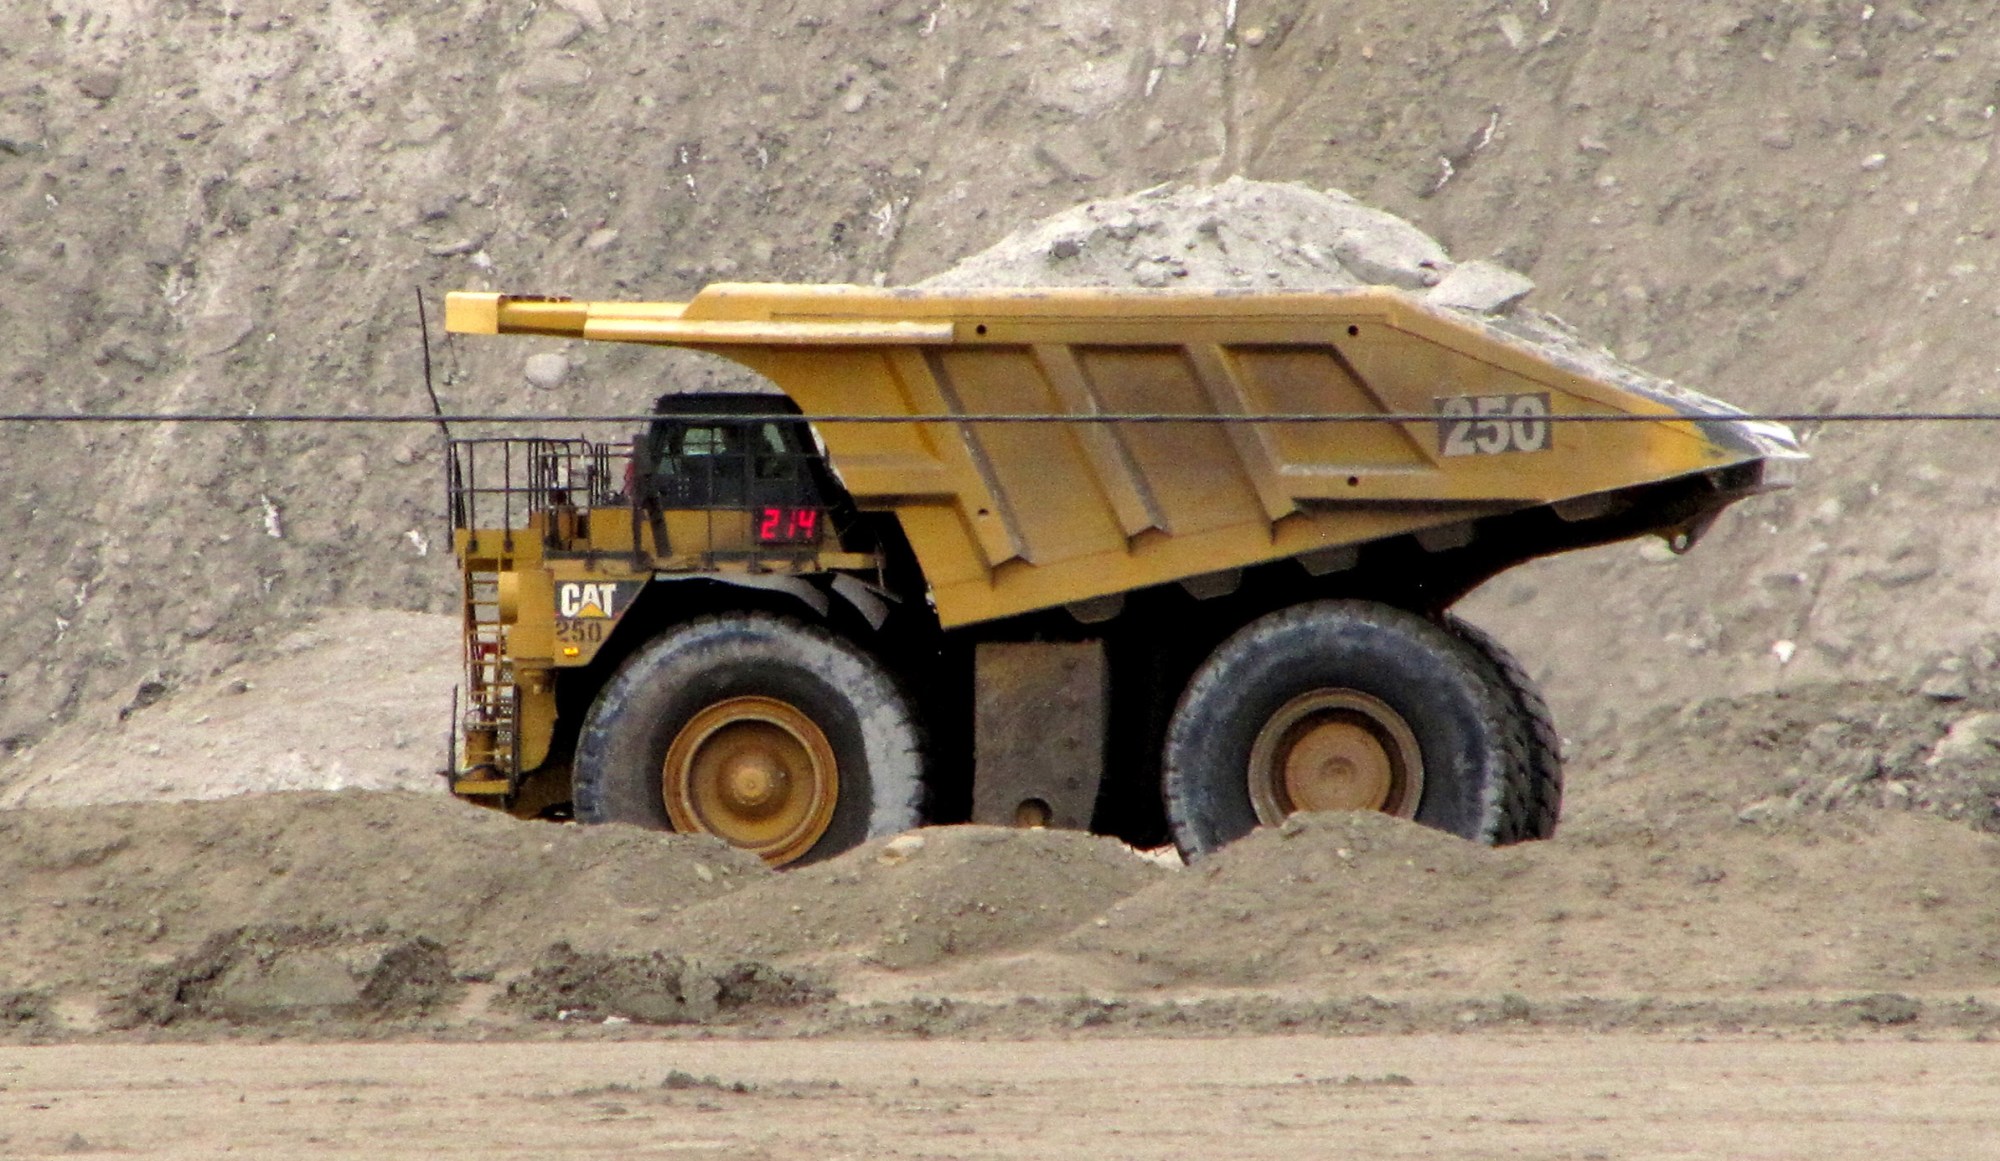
{"points": [[503, 484]]}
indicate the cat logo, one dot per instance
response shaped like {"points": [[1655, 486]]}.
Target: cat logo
{"points": [[596, 601]]}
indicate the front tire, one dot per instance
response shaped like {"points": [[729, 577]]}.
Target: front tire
{"points": [[776, 736], [1355, 705]]}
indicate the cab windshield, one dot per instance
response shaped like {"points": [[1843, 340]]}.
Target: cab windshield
{"points": [[731, 465]]}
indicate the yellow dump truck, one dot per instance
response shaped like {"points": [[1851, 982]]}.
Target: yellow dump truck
{"points": [[1154, 563]]}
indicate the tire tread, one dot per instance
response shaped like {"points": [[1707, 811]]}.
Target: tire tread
{"points": [[1531, 803]]}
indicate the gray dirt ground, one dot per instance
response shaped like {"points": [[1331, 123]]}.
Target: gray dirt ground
{"points": [[1783, 800]]}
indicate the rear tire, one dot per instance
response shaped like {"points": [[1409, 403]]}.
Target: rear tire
{"points": [[811, 709], [1483, 767], [1532, 802]]}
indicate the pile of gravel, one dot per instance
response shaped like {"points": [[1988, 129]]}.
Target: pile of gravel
{"points": [[1243, 235], [1286, 236]]}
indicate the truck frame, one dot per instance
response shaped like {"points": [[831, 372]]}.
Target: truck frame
{"points": [[1153, 563]]}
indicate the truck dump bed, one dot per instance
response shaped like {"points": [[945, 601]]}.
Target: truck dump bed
{"points": [[1058, 508]]}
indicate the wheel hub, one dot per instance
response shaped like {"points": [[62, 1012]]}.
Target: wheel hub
{"points": [[1335, 749], [756, 772], [753, 781]]}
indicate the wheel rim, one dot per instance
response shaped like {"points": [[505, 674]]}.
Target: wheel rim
{"points": [[1335, 749], [755, 772]]}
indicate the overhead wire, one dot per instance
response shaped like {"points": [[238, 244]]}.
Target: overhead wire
{"points": [[433, 418]]}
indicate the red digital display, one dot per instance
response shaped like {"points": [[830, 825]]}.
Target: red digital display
{"points": [[787, 525]]}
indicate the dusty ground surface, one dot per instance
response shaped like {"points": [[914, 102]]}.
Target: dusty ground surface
{"points": [[1440, 1097], [1818, 858]]}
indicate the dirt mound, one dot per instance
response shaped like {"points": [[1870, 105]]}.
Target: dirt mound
{"points": [[653, 988], [306, 909], [1365, 903], [96, 889], [339, 913], [1323, 895], [292, 906], [919, 900], [282, 974]]}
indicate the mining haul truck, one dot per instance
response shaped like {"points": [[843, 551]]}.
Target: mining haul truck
{"points": [[1156, 564]]}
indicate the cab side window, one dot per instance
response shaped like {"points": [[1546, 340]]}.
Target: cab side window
{"points": [[775, 458]]}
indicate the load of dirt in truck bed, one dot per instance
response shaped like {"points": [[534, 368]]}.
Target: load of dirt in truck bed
{"points": [[1277, 236], [1243, 235]]}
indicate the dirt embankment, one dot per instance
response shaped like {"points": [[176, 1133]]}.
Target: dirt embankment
{"points": [[355, 699], [1781, 204]]}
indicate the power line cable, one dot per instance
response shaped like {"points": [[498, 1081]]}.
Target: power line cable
{"points": [[433, 418]]}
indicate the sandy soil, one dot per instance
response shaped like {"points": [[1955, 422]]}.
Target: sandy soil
{"points": [[1437, 1097]]}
